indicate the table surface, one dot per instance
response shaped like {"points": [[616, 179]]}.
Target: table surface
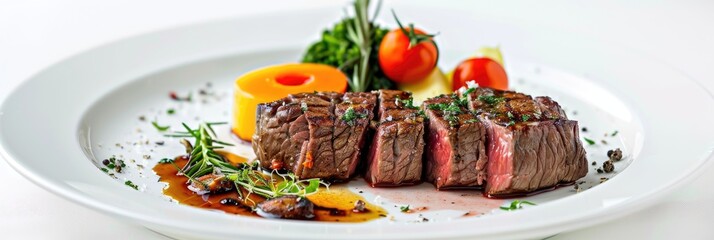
{"points": [[38, 33]]}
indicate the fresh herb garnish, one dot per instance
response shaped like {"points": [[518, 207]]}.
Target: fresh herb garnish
{"points": [[303, 107], [614, 133], [462, 101], [170, 111], [131, 184], [113, 163], [510, 115], [511, 123], [166, 160], [525, 117], [159, 127], [204, 160], [473, 120], [404, 208], [490, 99], [351, 115], [470, 90], [516, 204], [272, 185], [351, 45], [407, 103], [450, 111], [589, 141], [421, 113]]}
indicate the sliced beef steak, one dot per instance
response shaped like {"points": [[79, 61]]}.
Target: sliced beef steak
{"points": [[456, 144], [353, 116], [306, 133], [395, 157], [531, 143]]}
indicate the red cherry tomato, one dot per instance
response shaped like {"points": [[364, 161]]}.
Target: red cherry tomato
{"points": [[486, 73], [403, 63]]}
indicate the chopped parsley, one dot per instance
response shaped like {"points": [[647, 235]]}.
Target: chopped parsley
{"points": [[159, 127], [460, 101], [470, 90], [170, 111], [407, 103], [449, 110], [511, 123], [473, 120], [303, 107], [516, 204], [131, 184], [614, 133], [166, 160], [113, 163], [421, 113], [510, 115], [525, 118], [350, 116], [490, 99], [404, 208], [589, 141]]}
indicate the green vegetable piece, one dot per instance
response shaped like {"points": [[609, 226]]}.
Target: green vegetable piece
{"points": [[166, 160], [159, 127], [351, 115], [131, 184], [516, 204], [490, 99]]}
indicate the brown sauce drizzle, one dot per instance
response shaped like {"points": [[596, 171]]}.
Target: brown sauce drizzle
{"points": [[331, 205]]}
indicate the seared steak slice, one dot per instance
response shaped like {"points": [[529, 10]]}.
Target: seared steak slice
{"points": [[531, 143], [456, 143], [316, 157], [281, 129], [395, 157], [352, 118], [305, 133]]}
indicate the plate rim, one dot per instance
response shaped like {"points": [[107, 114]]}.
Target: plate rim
{"points": [[77, 197]]}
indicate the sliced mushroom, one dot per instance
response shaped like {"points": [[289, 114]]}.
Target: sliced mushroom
{"points": [[288, 207]]}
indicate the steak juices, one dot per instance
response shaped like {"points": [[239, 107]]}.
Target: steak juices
{"points": [[504, 142]]}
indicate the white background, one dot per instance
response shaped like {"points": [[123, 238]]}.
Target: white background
{"points": [[37, 33]]}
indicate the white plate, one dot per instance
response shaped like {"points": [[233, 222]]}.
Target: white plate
{"points": [[52, 126]]}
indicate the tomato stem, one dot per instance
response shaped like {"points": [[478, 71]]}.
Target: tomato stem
{"points": [[416, 38]]}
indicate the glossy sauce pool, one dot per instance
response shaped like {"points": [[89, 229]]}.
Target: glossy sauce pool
{"points": [[333, 204]]}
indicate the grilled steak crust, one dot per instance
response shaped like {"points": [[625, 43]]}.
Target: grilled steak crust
{"points": [[531, 143], [395, 157], [457, 145], [349, 136], [305, 133]]}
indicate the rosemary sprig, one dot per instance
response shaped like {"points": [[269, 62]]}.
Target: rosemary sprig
{"points": [[274, 184], [360, 31], [204, 160]]}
